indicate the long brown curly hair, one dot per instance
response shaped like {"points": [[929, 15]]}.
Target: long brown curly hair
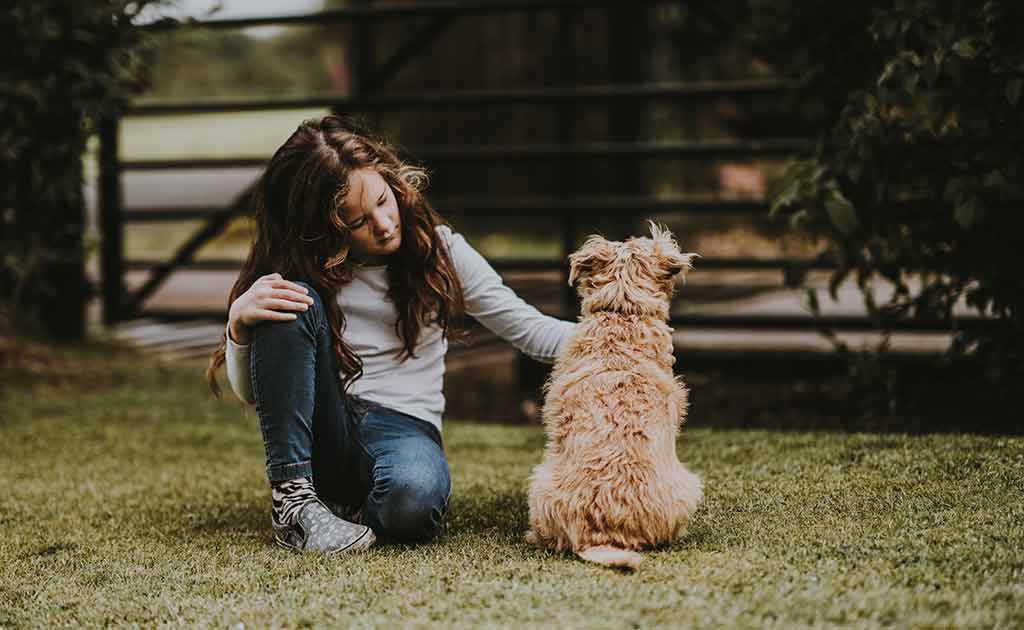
{"points": [[301, 234]]}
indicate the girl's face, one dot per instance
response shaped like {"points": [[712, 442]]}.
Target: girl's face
{"points": [[371, 211]]}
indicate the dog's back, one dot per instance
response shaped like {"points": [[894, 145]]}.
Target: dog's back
{"points": [[610, 475], [610, 480]]}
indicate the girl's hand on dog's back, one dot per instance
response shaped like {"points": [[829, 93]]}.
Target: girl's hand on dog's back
{"points": [[271, 298]]}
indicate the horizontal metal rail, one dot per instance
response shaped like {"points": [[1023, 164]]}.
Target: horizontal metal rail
{"points": [[705, 149], [691, 204], [809, 322], [392, 10], [696, 204], [157, 215], [520, 264], [751, 322], [598, 94]]}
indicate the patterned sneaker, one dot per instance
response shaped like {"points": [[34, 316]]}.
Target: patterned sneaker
{"points": [[317, 529]]}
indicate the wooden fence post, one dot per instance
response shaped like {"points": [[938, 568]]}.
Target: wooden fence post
{"points": [[567, 165], [111, 222]]}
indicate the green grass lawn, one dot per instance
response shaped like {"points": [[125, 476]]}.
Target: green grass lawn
{"points": [[132, 497]]}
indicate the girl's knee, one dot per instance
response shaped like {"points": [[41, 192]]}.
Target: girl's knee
{"points": [[413, 508], [317, 307], [312, 320]]}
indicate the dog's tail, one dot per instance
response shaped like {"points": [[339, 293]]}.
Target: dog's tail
{"points": [[611, 557]]}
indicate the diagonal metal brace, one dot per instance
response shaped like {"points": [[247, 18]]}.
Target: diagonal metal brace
{"points": [[217, 223]]}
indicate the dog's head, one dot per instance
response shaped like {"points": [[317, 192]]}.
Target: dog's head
{"points": [[636, 276]]}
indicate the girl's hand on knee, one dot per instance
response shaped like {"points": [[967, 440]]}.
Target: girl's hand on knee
{"points": [[271, 298]]}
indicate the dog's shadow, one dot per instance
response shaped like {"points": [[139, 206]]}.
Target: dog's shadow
{"points": [[504, 513], [507, 514]]}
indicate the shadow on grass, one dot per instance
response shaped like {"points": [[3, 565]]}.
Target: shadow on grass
{"points": [[506, 515], [503, 513], [908, 395], [192, 521], [794, 391]]}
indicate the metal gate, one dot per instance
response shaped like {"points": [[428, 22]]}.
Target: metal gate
{"points": [[561, 152]]}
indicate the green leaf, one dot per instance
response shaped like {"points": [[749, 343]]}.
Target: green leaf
{"points": [[965, 48], [964, 214], [786, 197], [910, 82], [842, 213], [1013, 89], [996, 180], [798, 219], [870, 102], [969, 212], [887, 72]]}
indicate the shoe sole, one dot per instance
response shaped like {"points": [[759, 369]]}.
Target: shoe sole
{"points": [[368, 533]]}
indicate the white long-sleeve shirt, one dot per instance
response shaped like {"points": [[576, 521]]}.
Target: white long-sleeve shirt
{"points": [[414, 386]]}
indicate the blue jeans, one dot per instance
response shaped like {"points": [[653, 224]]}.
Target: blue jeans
{"points": [[359, 453]]}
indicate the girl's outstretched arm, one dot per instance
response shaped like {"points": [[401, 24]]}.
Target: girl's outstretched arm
{"points": [[492, 303]]}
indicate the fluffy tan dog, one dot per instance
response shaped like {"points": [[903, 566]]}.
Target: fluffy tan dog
{"points": [[610, 481]]}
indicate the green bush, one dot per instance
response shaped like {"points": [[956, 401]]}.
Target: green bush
{"points": [[65, 66], [918, 166]]}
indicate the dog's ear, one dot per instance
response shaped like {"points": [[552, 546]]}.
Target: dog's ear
{"points": [[659, 233], [671, 261], [594, 253], [677, 263]]}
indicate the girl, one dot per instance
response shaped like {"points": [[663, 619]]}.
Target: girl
{"points": [[337, 331]]}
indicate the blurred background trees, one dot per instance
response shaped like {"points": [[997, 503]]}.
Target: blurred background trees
{"points": [[917, 177], [915, 106], [65, 66]]}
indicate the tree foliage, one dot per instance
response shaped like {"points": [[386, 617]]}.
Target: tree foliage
{"points": [[917, 175], [65, 66]]}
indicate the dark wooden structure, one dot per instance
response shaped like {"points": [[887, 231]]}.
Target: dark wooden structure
{"points": [[561, 152]]}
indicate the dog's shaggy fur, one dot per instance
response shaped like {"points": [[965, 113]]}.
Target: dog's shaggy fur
{"points": [[610, 481]]}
